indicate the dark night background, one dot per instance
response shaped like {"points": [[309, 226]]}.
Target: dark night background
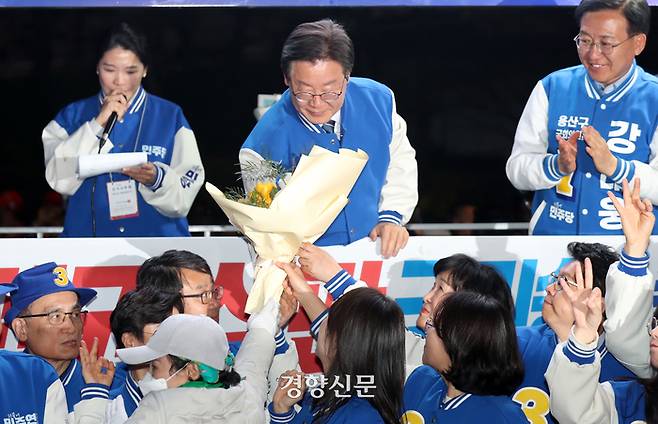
{"points": [[461, 78]]}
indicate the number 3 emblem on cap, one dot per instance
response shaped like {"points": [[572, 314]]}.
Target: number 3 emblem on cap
{"points": [[61, 278]]}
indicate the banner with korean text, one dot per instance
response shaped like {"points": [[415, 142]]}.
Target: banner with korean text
{"points": [[110, 267]]}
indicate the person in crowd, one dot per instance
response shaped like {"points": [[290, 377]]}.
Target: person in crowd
{"points": [[472, 365], [135, 319], [573, 375], [204, 384], [538, 342], [42, 400], [147, 200], [361, 348], [325, 106], [631, 330], [452, 273], [46, 315], [188, 274], [185, 273], [51, 211], [586, 128]]}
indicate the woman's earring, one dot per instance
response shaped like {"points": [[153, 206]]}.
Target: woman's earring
{"points": [[144, 76]]}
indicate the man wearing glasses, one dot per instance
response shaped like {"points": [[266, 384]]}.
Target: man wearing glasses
{"points": [[588, 127], [46, 315], [324, 106]]}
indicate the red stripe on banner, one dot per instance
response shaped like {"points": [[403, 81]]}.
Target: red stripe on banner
{"points": [[6, 275], [308, 362], [230, 275], [371, 271], [98, 322]]}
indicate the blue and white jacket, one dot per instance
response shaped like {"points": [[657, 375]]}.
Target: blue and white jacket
{"points": [[425, 402], [562, 103], [356, 410], [577, 395], [387, 189], [152, 125], [30, 390], [579, 398], [537, 344]]}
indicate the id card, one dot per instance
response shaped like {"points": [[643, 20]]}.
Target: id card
{"points": [[122, 198]]}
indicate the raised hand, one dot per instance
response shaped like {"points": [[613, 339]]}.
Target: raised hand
{"points": [[637, 218], [566, 159], [95, 369], [296, 282], [317, 263], [587, 303], [287, 307], [289, 391], [113, 102]]}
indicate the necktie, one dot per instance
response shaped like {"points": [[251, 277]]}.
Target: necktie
{"points": [[329, 126]]}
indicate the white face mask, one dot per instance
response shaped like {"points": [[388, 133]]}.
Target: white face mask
{"points": [[149, 384]]}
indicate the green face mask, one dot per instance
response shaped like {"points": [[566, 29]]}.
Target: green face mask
{"points": [[208, 374]]}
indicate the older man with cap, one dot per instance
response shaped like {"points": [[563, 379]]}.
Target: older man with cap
{"points": [[42, 401], [201, 381], [46, 316]]}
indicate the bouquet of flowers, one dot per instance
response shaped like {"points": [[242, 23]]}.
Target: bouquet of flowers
{"points": [[277, 216]]}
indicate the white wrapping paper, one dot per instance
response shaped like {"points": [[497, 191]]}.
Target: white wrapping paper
{"points": [[301, 212]]}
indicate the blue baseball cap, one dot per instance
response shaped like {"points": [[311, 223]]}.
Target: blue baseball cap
{"points": [[40, 281], [6, 288]]}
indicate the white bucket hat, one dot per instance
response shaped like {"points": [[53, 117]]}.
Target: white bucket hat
{"points": [[194, 337]]}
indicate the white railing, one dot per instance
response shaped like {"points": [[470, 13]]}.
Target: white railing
{"points": [[209, 230]]}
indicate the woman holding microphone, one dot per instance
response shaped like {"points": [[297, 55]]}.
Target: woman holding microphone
{"points": [[147, 200]]}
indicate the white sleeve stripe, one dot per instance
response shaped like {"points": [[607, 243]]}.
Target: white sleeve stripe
{"points": [[340, 280]]}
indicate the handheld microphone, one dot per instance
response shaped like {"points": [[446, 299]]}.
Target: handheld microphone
{"points": [[108, 129]]}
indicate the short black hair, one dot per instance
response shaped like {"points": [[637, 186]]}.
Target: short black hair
{"points": [[164, 272], [636, 12], [320, 40], [136, 309], [128, 38], [466, 273], [602, 257], [480, 339]]}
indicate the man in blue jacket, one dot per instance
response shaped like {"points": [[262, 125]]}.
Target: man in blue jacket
{"points": [[46, 315], [586, 128], [327, 107]]}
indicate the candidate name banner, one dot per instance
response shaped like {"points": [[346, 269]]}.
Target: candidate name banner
{"points": [[110, 267]]}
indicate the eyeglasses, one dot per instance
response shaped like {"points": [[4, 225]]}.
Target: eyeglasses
{"points": [[58, 317], [207, 296], [585, 44], [652, 324], [329, 96], [555, 277]]}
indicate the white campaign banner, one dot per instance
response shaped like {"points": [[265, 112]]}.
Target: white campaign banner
{"points": [[110, 266]]}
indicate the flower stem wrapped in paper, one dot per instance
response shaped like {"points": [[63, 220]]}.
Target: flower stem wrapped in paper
{"points": [[300, 212]]}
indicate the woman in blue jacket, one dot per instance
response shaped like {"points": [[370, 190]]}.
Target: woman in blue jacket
{"points": [[472, 365], [151, 199], [361, 348]]}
